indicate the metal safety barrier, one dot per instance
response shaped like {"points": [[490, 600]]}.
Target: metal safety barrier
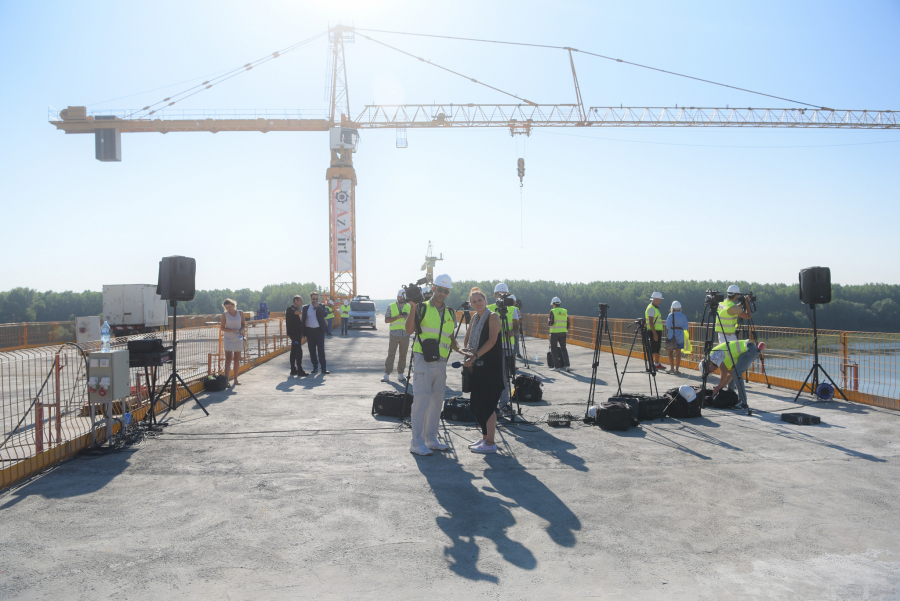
{"points": [[43, 391], [35, 334], [866, 365]]}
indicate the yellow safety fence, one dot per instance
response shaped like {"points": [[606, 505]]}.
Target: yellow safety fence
{"points": [[43, 391], [865, 365]]}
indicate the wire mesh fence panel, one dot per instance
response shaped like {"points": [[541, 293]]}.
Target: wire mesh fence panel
{"points": [[33, 334]]}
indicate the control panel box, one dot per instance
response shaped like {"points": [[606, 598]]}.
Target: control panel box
{"points": [[108, 376]]}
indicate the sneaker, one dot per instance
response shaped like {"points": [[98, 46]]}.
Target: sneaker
{"points": [[422, 450], [386, 377], [402, 378], [659, 367], [437, 446], [302, 373], [325, 372], [485, 449], [476, 444], [505, 408], [568, 369], [314, 371], [293, 372]]}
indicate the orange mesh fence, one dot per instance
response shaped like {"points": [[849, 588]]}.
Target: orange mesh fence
{"points": [[43, 391], [34, 334]]}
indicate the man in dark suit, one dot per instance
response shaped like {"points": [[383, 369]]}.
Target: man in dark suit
{"points": [[295, 333], [313, 320]]}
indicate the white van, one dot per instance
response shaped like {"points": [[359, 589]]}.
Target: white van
{"points": [[362, 313]]}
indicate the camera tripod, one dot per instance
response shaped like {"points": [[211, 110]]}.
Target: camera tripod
{"points": [[710, 322], [751, 333], [814, 370], [522, 337], [602, 324], [509, 360], [640, 328]]}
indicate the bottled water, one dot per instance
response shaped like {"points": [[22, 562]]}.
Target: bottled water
{"points": [[104, 337], [535, 357]]}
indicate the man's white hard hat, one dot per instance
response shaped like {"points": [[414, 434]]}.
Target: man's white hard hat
{"points": [[444, 281], [555, 301], [733, 289], [346, 302], [501, 287], [401, 293], [656, 295], [676, 305]]}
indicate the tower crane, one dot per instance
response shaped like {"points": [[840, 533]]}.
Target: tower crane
{"points": [[519, 118], [428, 265]]}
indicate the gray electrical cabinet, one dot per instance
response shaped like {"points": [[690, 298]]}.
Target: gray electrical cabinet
{"points": [[108, 377]]}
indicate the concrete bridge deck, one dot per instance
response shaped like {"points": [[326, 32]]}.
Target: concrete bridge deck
{"points": [[291, 489]]}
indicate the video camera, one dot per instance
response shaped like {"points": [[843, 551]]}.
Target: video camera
{"points": [[750, 298], [519, 303], [414, 293], [466, 306], [603, 309], [713, 298]]}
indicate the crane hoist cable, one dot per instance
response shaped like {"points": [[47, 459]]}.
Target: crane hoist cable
{"points": [[224, 77], [618, 60], [472, 79]]}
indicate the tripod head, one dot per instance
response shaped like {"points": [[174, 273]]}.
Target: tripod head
{"points": [[603, 309], [640, 322]]}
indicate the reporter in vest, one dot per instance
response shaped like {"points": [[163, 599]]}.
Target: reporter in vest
{"points": [[485, 364], [558, 320], [508, 351], [726, 324], [655, 324], [395, 317], [430, 353], [294, 322], [736, 358]]}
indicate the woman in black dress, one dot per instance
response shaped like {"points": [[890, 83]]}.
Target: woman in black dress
{"points": [[485, 365]]}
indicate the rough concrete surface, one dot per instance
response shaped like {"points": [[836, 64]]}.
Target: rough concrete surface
{"points": [[291, 489]]}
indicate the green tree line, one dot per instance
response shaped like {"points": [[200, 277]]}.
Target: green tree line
{"points": [[867, 307]]}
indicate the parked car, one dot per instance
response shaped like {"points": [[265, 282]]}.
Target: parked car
{"points": [[362, 313]]}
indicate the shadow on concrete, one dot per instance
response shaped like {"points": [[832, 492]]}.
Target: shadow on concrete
{"points": [[783, 430], [74, 481], [475, 511], [544, 442]]}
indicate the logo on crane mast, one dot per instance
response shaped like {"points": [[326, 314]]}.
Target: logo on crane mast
{"points": [[341, 226]]}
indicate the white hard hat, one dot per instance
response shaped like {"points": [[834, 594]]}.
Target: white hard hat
{"points": [[656, 295], [676, 305], [512, 297], [501, 287], [555, 301], [346, 302], [444, 281], [733, 289], [401, 293]]}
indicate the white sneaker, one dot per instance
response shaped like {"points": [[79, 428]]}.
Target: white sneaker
{"points": [[476, 444], [568, 369], [422, 450], [437, 446], [386, 377], [485, 449], [402, 378]]}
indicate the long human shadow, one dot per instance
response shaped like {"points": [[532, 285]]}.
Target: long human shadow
{"points": [[486, 511], [543, 441]]}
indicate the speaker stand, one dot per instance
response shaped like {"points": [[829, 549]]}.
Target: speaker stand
{"points": [[814, 370], [174, 378]]}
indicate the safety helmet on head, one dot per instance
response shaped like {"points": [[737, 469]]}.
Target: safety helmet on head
{"points": [[444, 281], [733, 289], [555, 301], [676, 305], [501, 287], [401, 293], [656, 295], [346, 302]]}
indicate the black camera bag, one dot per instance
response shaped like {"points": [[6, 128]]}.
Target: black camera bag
{"points": [[651, 408], [614, 416], [457, 409], [392, 403], [528, 389], [679, 408], [215, 384], [726, 399], [550, 359], [632, 400]]}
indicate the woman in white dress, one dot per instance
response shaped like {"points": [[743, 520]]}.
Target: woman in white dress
{"points": [[232, 326]]}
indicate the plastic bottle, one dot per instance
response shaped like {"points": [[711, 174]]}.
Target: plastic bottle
{"points": [[104, 337], [535, 357]]}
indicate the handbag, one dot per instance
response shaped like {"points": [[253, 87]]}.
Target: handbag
{"points": [[431, 348]]}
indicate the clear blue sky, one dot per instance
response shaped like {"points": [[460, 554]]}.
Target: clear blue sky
{"points": [[598, 204]]}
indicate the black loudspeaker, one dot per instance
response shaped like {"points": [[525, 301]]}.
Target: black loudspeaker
{"points": [[176, 278], [815, 285]]}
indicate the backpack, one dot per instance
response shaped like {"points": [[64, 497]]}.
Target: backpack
{"points": [[726, 399]]}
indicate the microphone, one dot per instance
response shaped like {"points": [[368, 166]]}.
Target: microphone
{"points": [[458, 364]]}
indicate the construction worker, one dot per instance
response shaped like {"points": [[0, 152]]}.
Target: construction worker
{"points": [[509, 353], [435, 324], [558, 320], [395, 317], [726, 325], [345, 317], [655, 326], [329, 317], [736, 358]]}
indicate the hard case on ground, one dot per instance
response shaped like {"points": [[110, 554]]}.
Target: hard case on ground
{"points": [[392, 403], [614, 416], [457, 409]]}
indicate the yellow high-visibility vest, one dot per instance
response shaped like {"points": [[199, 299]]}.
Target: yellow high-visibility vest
{"points": [[560, 320], [394, 311], [652, 311], [733, 351], [510, 311], [433, 329], [727, 324]]}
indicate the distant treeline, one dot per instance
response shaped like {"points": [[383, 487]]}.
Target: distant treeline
{"points": [[869, 307]]}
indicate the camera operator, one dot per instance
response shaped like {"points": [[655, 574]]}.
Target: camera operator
{"points": [[655, 325], [395, 316], [733, 307], [520, 325], [512, 324], [558, 320], [485, 362], [736, 358], [434, 322]]}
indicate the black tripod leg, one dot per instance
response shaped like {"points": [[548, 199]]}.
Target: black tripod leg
{"points": [[802, 386], [191, 392], [836, 387]]}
